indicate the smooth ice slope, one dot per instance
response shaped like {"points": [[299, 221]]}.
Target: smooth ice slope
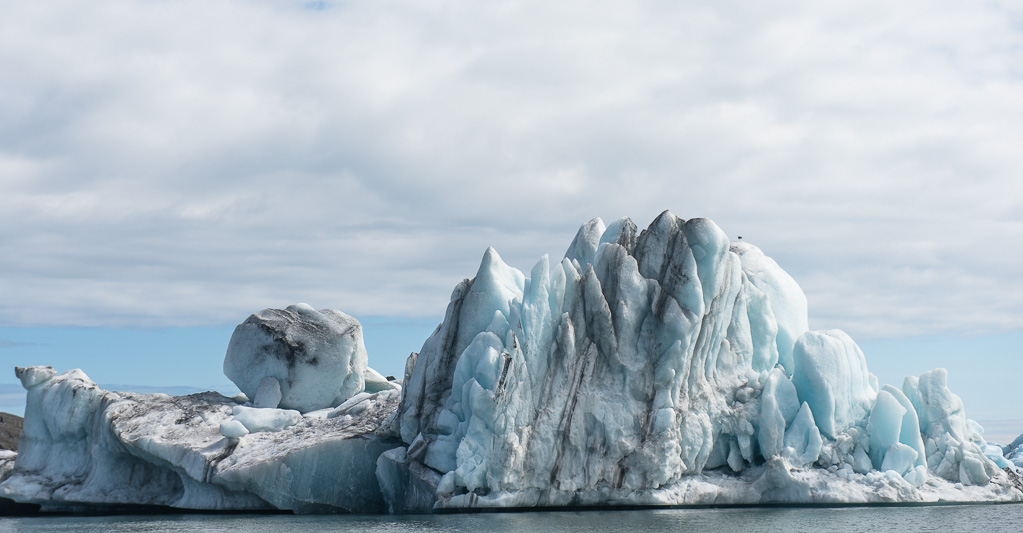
{"points": [[830, 374]]}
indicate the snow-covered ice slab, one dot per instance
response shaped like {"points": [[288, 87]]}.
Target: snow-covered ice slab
{"points": [[82, 446]]}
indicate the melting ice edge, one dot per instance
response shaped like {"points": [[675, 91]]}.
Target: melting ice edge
{"points": [[662, 367]]}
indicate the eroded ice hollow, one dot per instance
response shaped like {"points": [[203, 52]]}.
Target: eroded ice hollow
{"points": [[667, 366]]}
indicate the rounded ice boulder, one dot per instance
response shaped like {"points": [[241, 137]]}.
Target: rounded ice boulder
{"points": [[317, 357]]}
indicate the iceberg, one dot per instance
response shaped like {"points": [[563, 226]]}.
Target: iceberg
{"points": [[662, 367], [297, 358], [84, 447], [1013, 452]]}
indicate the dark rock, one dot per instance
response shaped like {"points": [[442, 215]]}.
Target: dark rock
{"points": [[10, 431]]}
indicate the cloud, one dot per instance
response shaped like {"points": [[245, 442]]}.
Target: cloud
{"points": [[188, 163]]}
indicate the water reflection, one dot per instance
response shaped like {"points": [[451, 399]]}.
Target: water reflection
{"points": [[959, 518]]}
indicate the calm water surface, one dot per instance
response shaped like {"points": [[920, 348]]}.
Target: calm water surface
{"points": [[958, 518]]}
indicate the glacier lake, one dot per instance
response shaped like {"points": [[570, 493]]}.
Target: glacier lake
{"points": [[959, 518]]}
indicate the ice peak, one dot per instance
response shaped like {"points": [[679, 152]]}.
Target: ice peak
{"points": [[587, 239]]}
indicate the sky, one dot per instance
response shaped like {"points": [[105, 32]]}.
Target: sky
{"points": [[169, 167]]}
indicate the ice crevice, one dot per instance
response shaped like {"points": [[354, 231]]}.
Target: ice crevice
{"points": [[663, 366]]}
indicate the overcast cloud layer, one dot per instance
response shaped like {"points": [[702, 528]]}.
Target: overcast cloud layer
{"points": [[185, 163]]}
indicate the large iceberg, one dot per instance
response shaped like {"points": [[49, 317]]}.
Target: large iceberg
{"points": [[667, 366]]}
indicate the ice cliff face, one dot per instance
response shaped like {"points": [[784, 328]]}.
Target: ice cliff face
{"points": [[644, 359], [621, 366], [666, 366]]}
